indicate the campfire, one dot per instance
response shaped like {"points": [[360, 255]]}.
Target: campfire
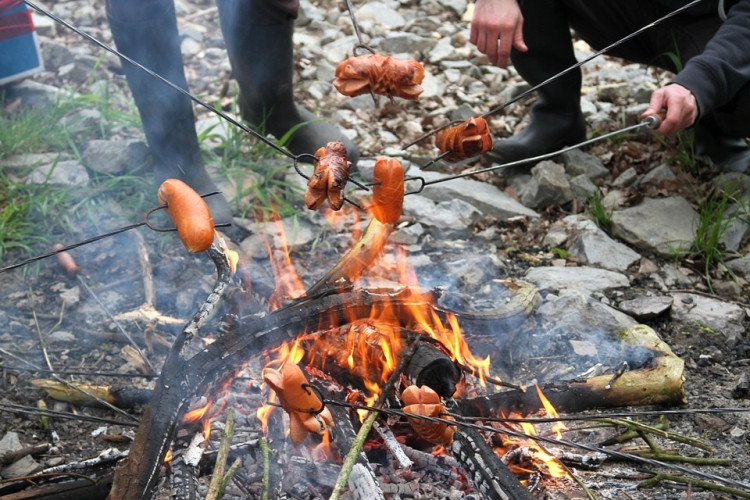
{"points": [[366, 362], [363, 382]]}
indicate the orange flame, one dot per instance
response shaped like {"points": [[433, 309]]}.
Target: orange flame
{"points": [[288, 282], [559, 426], [196, 414]]}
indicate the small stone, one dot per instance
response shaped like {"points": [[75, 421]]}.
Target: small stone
{"points": [[741, 389]]}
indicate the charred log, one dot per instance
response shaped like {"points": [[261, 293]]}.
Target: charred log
{"points": [[487, 473]]}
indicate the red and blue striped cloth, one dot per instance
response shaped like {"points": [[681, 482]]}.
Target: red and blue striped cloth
{"points": [[19, 50]]}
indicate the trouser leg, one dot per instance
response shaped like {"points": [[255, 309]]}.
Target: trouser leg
{"points": [[555, 118], [146, 31], [258, 36]]}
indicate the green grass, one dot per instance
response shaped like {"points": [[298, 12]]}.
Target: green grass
{"points": [[256, 170], [602, 217], [717, 211], [35, 216]]}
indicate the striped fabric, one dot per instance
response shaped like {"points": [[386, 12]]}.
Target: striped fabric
{"points": [[19, 50]]}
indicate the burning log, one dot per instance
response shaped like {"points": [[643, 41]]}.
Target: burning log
{"points": [[429, 365], [660, 384]]}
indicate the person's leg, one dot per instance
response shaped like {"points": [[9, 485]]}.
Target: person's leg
{"points": [[555, 118], [258, 35], [146, 31], [721, 133]]}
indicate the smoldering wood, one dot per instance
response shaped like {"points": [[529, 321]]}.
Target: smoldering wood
{"points": [[90, 488], [393, 446], [187, 451], [484, 469], [662, 384], [123, 398], [301, 472], [432, 367], [343, 435]]}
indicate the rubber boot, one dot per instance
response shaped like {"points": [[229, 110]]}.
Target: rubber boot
{"points": [[146, 31], [555, 119], [730, 154], [262, 63]]}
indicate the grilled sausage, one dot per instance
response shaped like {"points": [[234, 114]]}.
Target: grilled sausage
{"points": [[388, 190], [384, 75], [470, 138], [190, 214]]}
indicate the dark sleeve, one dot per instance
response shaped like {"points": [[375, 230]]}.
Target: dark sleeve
{"points": [[715, 76]]}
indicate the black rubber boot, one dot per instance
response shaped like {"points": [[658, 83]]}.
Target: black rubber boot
{"points": [[555, 119], [262, 62], [730, 154], [146, 31]]}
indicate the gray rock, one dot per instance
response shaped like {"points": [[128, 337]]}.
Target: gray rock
{"points": [[663, 225], [573, 311], [614, 200], [625, 179], [645, 307], [442, 50], [657, 175], [485, 197], [593, 246], [34, 94], [408, 235], [308, 12], [115, 157], [717, 315], [588, 279], [296, 232], [548, 186], [741, 266], [67, 172], [339, 49], [83, 69], [61, 337], [44, 25], [556, 237], [22, 467], [583, 188], [613, 92], [735, 228], [457, 6], [82, 120], [741, 389], [405, 42], [19, 163], [380, 13], [449, 214], [55, 55]]}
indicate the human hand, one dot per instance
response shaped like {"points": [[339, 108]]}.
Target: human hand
{"points": [[681, 106], [496, 27]]}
